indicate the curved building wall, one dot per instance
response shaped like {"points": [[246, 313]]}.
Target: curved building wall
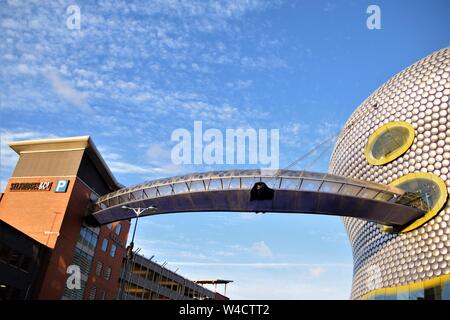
{"points": [[418, 95]]}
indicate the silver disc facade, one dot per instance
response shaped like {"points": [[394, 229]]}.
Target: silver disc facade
{"points": [[419, 95]]}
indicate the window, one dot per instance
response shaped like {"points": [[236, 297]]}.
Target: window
{"points": [[84, 260], [389, 142], [109, 225], [433, 293], [4, 253], [150, 275], [417, 294], [446, 291], [403, 294], [103, 295], [424, 190], [98, 270], [25, 264], [4, 291], [14, 259], [92, 293], [88, 238], [105, 245], [108, 273], [118, 227], [15, 294], [113, 250]]}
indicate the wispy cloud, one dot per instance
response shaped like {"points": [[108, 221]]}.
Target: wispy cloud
{"points": [[63, 89], [316, 271], [8, 158], [262, 249], [314, 268]]}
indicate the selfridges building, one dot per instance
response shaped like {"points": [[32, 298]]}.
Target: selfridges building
{"points": [[400, 136]]}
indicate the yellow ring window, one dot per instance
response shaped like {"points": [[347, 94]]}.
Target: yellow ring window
{"points": [[427, 190], [389, 142]]}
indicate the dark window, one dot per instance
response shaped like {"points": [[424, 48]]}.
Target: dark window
{"points": [[113, 250], [98, 270], [14, 259], [15, 294], [403, 294], [26, 262], [433, 293], [92, 293], [108, 273], [105, 245], [390, 297], [88, 238], [4, 253], [417, 294], [4, 291], [446, 291], [118, 227]]}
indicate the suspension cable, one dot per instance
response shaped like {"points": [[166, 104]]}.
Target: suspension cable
{"points": [[307, 154]]}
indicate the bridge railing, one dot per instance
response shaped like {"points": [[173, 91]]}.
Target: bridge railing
{"points": [[245, 180]]}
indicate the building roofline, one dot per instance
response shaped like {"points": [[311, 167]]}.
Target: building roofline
{"points": [[68, 144]]}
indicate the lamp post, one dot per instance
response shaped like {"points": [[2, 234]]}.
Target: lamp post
{"points": [[137, 211], [129, 250]]}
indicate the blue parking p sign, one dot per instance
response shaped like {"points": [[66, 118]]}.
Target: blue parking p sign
{"points": [[61, 185]]}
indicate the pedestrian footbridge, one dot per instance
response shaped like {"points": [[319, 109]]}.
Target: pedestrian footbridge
{"points": [[283, 191]]}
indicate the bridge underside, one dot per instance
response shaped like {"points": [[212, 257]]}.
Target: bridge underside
{"points": [[284, 201], [290, 192]]}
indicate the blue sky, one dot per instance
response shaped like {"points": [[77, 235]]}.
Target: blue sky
{"points": [[136, 71]]}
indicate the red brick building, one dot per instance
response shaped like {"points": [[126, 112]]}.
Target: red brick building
{"points": [[48, 197]]}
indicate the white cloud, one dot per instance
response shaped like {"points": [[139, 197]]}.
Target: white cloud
{"points": [[262, 249], [8, 157], [125, 167], [240, 84], [158, 153], [10, 24], [25, 69], [319, 268], [63, 89], [316, 271], [157, 162]]}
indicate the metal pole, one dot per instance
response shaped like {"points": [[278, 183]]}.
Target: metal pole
{"points": [[134, 230], [129, 250]]}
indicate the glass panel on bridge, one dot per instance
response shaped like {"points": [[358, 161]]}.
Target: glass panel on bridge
{"points": [[350, 190], [150, 192], [113, 201], [180, 187], [138, 194], [272, 183], [290, 184], [248, 183], [331, 187], [235, 183], [165, 190], [215, 184], [384, 196], [368, 193], [197, 185], [226, 183], [310, 185], [124, 198]]}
